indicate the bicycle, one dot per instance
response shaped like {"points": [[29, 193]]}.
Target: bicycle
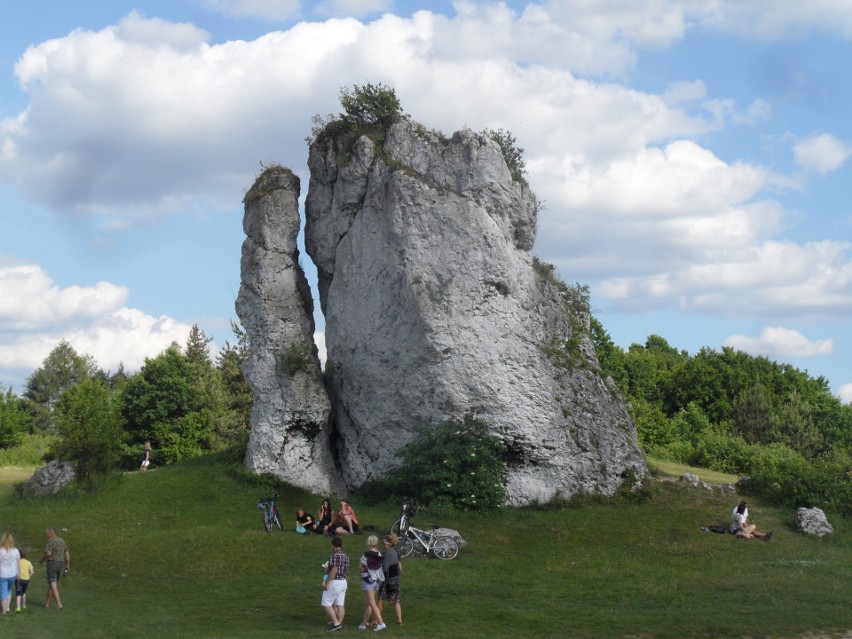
{"points": [[269, 513], [408, 511], [420, 541]]}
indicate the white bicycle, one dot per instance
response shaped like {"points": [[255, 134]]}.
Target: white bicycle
{"points": [[422, 542]]}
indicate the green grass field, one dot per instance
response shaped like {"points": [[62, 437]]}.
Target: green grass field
{"points": [[180, 552]]}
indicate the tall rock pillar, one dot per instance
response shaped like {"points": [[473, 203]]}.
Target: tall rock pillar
{"points": [[290, 434]]}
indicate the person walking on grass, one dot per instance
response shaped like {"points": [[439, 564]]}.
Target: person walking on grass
{"points": [[25, 573], [9, 557], [372, 577], [146, 458], [58, 562], [740, 526], [392, 567], [334, 585]]}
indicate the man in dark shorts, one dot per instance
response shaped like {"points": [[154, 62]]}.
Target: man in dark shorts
{"points": [[58, 562]]}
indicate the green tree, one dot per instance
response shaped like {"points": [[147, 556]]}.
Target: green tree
{"points": [[367, 110], [61, 369], [197, 351], [162, 391], [796, 428], [752, 415], [610, 356], [89, 428], [370, 105], [14, 420], [229, 363]]}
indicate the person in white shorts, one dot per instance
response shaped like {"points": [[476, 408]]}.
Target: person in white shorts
{"points": [[334, 585]]}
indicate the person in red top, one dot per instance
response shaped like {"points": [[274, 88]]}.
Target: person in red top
{"points": [[346, 523]]}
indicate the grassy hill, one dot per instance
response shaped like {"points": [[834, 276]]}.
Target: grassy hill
{"points": [[180, 552]]}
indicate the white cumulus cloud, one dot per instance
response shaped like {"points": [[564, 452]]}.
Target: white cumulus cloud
{"points": [[821, 153], [30, 300], [778, 342], [36, 313], [845, 393]]}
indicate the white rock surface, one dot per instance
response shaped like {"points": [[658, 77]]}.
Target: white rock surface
{"points": [[434, 311], [290, 433], [812, 521]]}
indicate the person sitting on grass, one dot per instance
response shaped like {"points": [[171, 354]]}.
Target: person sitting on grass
{"points": [[740, 526], [304, 522], [324, 518], [346, 523]]}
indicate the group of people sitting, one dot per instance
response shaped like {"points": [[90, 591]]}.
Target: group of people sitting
{"points": [[327, 522]]}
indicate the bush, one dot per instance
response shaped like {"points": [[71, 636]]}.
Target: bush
{"points": [[795, 482], [455, 465], [31, 451], [371, 105], [721, 451], [369, 109]]}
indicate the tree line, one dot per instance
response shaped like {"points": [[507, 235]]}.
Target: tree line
{"points": [[730, 411], [181, 401]]}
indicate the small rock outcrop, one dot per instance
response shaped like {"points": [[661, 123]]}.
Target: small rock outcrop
{"points": [[51, 478], [290, 433], [812, 521]]}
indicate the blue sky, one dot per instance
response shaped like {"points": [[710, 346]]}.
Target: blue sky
{"points": [[693, 157]]}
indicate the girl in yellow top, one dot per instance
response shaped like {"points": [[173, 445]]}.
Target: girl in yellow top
{"points": [[25, 573]]}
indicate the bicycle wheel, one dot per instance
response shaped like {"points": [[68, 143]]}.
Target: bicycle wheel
{"points": [[406, 547], [267, 524], [276, 517], [445, 548]]}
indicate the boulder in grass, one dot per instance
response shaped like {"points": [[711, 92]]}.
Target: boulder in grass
{"points": [[50, 479], [449, 532], [812, 521]]}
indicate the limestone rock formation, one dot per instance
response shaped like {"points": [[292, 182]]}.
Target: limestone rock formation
{"points": [[290, 432], [436, 310]]}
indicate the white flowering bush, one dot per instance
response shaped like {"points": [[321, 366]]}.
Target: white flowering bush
{"points": [[457, 465]]}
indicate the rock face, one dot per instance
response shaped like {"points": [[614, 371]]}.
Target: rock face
{"points": [[436, 310], [290, 431], [50, 479], [812, 521]]}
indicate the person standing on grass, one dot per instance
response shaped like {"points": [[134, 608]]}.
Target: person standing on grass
{"points": [[9, 557], [740, 526], [371, 578], [146, 458], [392, 566], [334, 585], [25, 573], [58, 562]]}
